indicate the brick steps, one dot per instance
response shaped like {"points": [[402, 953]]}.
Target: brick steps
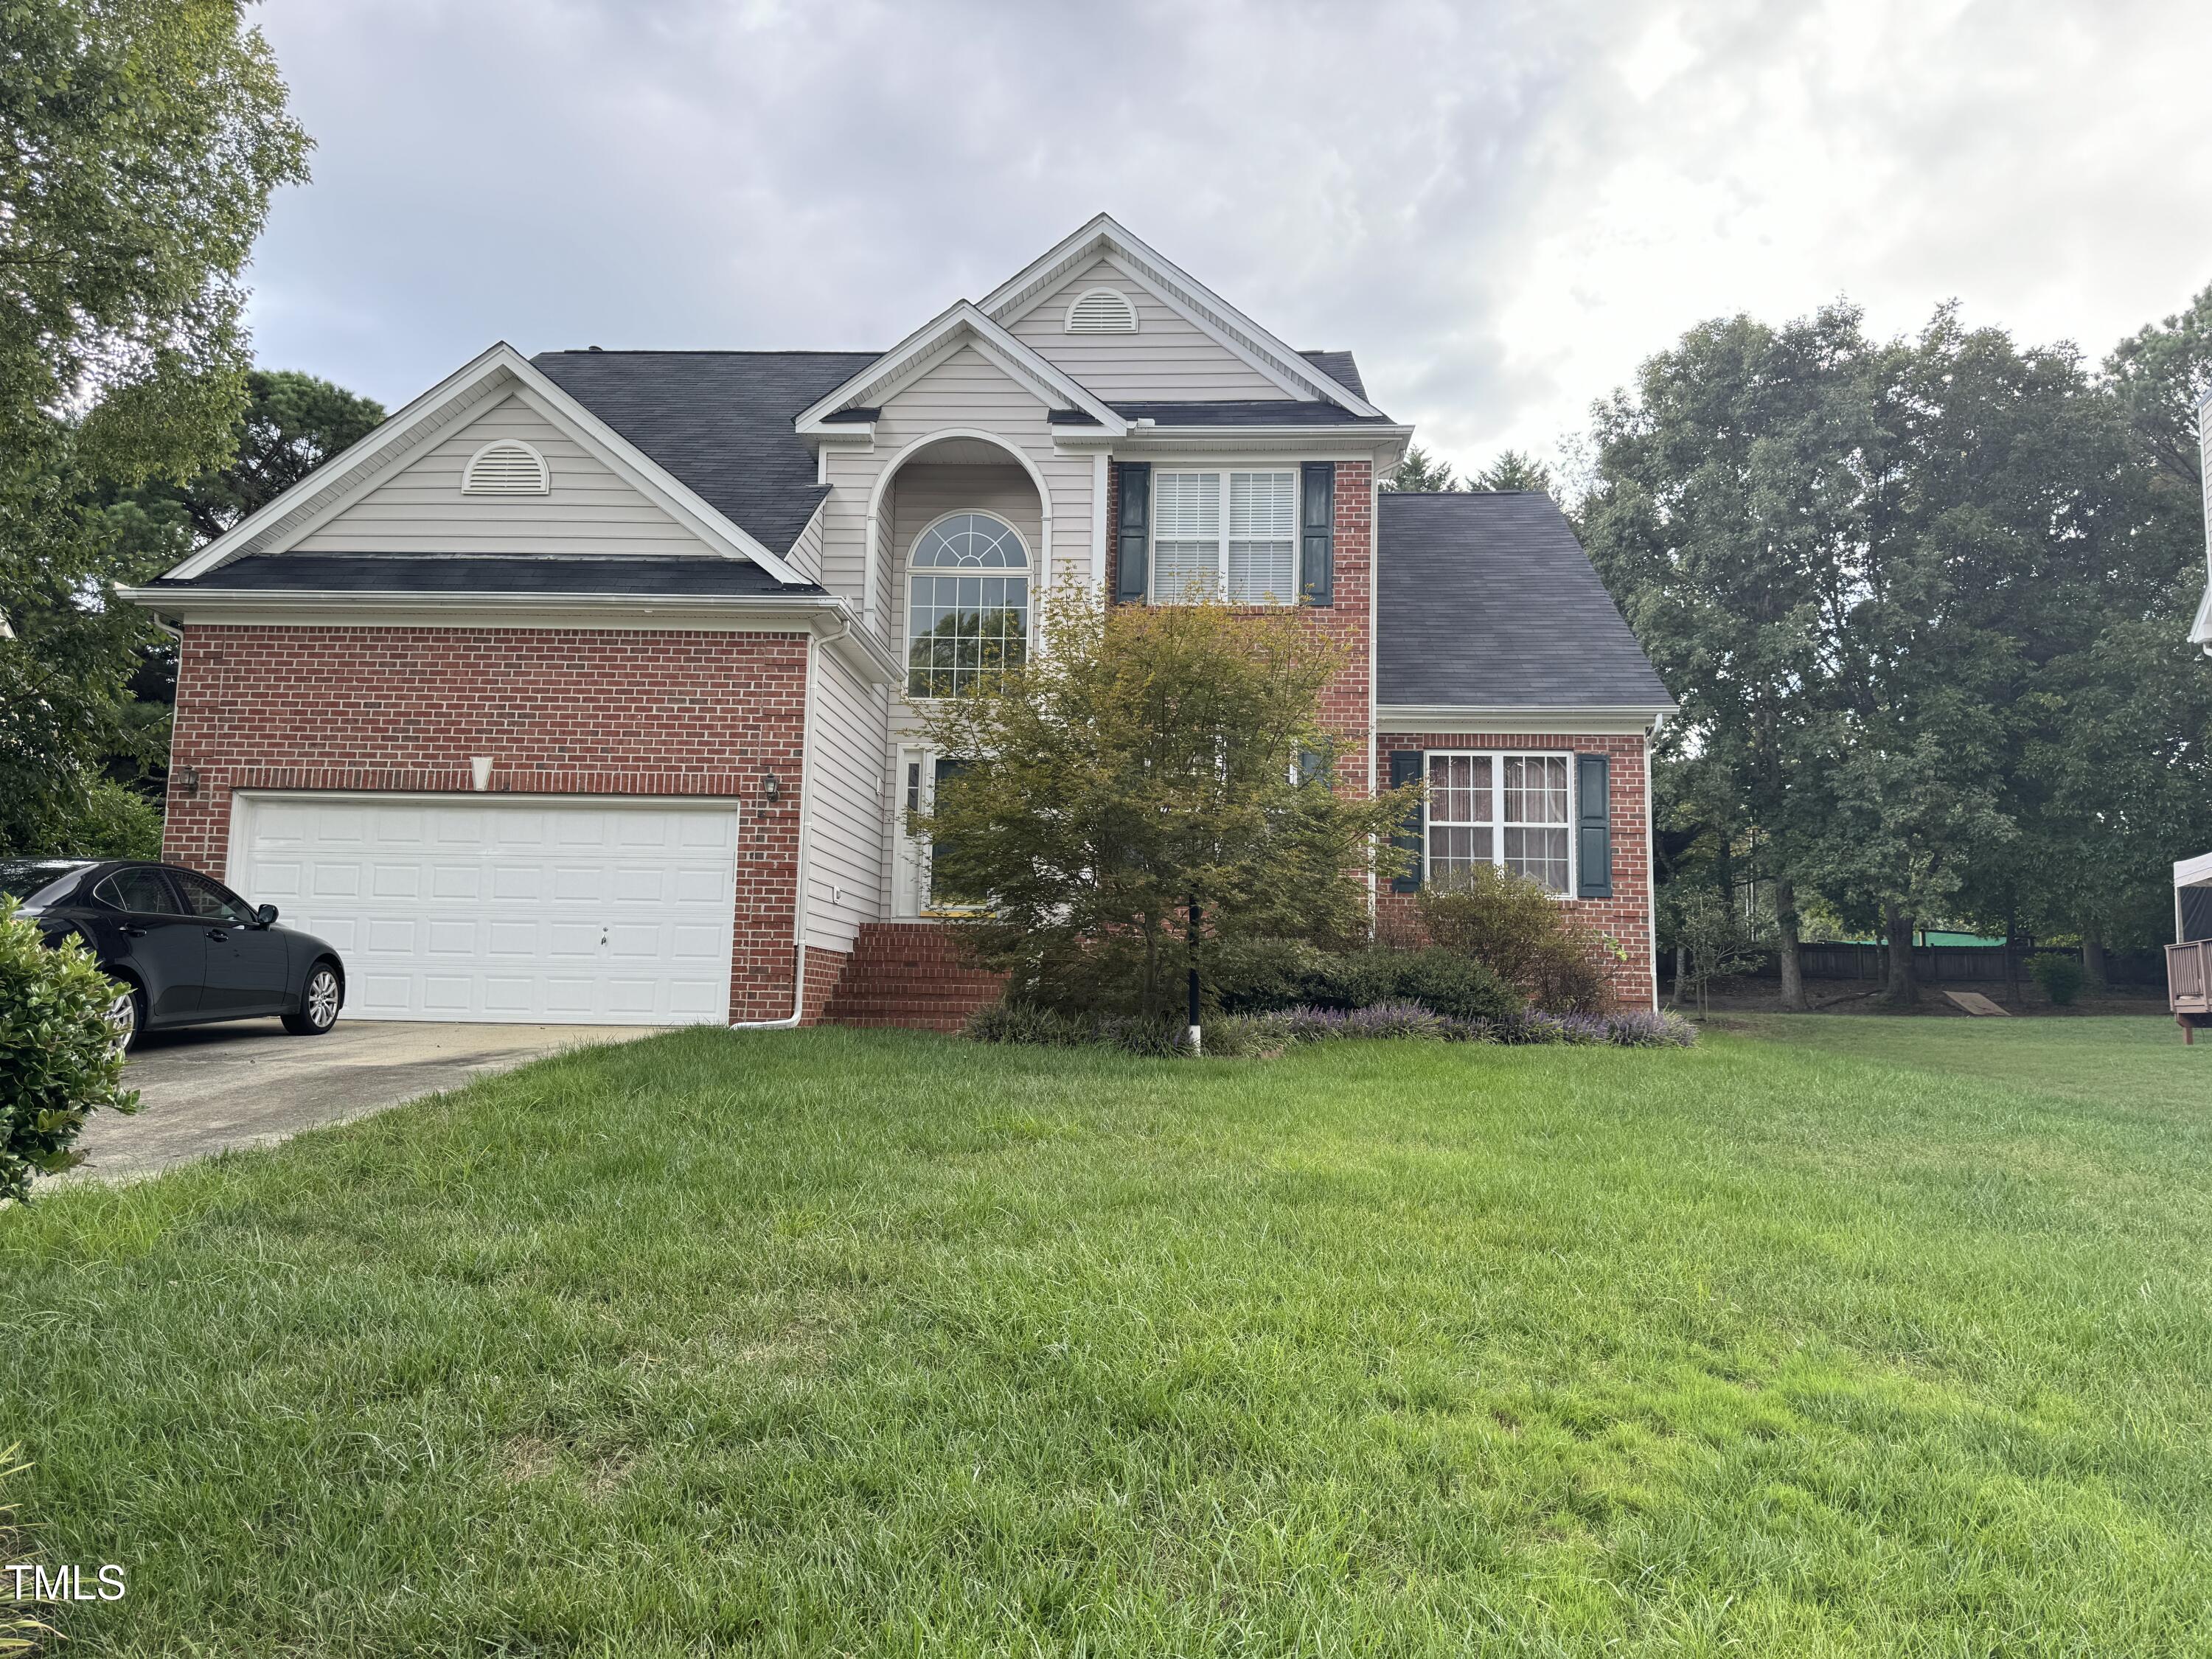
{"points": [[907, 974]]}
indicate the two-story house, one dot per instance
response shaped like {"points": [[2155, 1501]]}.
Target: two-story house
{"points": [[581, 689]]}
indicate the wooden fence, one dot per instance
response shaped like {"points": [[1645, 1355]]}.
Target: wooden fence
{"points": [[1938, 964]]}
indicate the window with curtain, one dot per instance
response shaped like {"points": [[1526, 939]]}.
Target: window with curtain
{"points": [[1513, 810], [1230, 536], [967, 604]]}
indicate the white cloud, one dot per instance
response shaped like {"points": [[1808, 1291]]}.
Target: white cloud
{"points": [[1502, 208]]}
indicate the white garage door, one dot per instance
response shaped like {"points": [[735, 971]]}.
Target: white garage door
{"points": [[508, 910]]}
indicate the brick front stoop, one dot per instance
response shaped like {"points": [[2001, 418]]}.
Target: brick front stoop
{"points": [[907, 974]]}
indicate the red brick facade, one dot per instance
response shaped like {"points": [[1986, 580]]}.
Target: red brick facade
{"points": [[561, 711], [1626, 916], [1347, 703], [825, 971]]}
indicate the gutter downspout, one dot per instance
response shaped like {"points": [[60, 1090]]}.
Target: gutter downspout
{"points": [[790, 1021], [1651, 868]]}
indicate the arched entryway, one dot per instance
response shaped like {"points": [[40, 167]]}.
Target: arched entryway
{"points": [[960, 523]]}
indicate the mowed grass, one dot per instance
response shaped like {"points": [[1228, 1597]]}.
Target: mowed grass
{"points": [[1836, 1338]]}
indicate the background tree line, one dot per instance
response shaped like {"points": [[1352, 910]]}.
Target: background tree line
{"points": [[1923, 602], [139, 144]]}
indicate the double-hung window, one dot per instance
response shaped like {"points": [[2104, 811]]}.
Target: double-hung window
{"points": [[1230, 536], [1513, 810]]}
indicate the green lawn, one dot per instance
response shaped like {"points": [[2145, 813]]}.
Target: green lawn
{"points": [[1833, 1336]]}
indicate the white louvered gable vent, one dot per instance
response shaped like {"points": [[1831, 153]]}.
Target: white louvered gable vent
{"points": [[509, 467], [1101, 310]]}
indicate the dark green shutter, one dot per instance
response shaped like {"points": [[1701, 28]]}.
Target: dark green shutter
{"points": [[1593, 827], [1317, 533], [1132, 532], [1405, 769]]}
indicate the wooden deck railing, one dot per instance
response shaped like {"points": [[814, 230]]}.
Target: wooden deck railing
{"points": [[2188, 977]]}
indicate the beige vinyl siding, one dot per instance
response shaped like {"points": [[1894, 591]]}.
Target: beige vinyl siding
{"points": [[1169, 359], [966, 390], [590, 510], [805, 555], [847, 881]]}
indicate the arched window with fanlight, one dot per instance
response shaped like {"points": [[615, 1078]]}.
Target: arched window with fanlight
{"points": [[967, 604]]}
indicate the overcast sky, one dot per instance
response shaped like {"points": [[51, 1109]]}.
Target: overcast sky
{"points": [[1501, 207]]}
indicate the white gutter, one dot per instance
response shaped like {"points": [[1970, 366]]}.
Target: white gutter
{"points": [[1613, 720], [790, 1021], [1177, 439]]}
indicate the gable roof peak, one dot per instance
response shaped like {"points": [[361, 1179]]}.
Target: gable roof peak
{"points": [[961, 322], [1102, 235]]}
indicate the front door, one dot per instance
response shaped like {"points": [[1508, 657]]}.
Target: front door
{"points": [[915, 891]]}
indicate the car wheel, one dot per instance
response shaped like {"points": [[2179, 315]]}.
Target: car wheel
{"points": [[126, 1017], [319, 1003]]}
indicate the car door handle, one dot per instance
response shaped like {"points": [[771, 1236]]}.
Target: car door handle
{"points": [[217, 935], [134, 932]]}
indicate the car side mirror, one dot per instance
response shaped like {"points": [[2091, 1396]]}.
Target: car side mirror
{"points": [[266, 916]]}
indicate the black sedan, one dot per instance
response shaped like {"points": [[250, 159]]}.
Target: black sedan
{"points": [[183, 950]]}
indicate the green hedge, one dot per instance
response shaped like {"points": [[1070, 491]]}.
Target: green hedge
{"points": [[59, 1059]]}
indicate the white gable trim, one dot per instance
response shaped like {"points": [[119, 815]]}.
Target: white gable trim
{"points": [[1177, 289], [961, 324], [341, 481]]}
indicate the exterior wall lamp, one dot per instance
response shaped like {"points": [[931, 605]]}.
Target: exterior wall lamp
{"points": [[188, 780], [771, 789]]}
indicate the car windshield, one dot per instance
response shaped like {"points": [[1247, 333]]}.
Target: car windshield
{"points": [[30, 884]]}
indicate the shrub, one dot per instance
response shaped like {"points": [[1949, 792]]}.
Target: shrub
{"points": [[115, 821], [1538, 1027], [2060, 975], [1004, 1022], [1231, 1037], [1392, 1019], [59, 1059], [1248, 1036], [1511, 925], [1278, 975], [1645, 1028]]}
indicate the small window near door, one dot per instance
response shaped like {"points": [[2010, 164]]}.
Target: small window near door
{"points": [[968, 605]]}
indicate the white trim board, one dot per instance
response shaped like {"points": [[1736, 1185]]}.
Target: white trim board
{"points": [[827, 619], [501, 369]]}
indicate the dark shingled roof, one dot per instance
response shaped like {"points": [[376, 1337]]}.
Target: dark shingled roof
{"points": [[1488, 600], [642, 576], [1339, 367], [1259, 411], [720, 421]]}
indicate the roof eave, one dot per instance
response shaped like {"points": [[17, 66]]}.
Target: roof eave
{"points": [[828, 616], [1605, 718], [1178, 439]]}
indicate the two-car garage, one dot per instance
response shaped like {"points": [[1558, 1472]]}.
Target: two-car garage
{"points": [[505, 907]]}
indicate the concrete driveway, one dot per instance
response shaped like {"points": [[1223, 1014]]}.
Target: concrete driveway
{"points": [[206, 1090]]}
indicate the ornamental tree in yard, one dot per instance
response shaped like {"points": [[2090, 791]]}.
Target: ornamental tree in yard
{"points": [[1151, 765]]}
